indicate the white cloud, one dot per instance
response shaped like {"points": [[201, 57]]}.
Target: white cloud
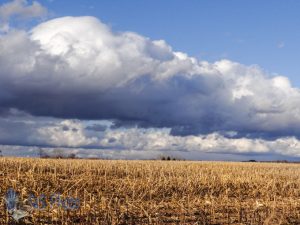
{"points": [[132, 142], [99, 74], [68, 133], [77, 67]]}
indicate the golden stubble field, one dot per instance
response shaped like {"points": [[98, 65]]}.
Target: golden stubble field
{"points": [[150, 192]]}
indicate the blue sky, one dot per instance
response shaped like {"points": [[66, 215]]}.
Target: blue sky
{"points": [[265, 33]]}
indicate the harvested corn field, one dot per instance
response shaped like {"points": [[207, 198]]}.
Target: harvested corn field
{"points": [[62, 191]]}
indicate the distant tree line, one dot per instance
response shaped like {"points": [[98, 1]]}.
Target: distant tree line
{"points": [[170, 158], [56, 154]]}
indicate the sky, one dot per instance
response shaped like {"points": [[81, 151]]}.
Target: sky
{"points": [[250, 32], [200, 80]]}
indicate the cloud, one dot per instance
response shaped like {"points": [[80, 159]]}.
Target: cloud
{"points": [[75, 136], [96, 127], [20, 9], [65, 133], [281, 44], [161, 140], [78, 68]]}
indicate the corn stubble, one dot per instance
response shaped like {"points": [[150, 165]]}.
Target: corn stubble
{"points": [[155, 192]]}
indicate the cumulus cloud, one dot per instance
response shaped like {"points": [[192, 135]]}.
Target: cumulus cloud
{"points": [[66, 133], [20, 128], [76, 69], [75, 136], [161, 140]]}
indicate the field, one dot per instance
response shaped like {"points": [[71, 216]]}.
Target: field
{"points": [[150, 192]]}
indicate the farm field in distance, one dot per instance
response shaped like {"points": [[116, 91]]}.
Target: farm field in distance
{"points": [[151, 192]]}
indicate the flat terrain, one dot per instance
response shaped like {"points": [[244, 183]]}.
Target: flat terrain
{"points": [[150, 192]]}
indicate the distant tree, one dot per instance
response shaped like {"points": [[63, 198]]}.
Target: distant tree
{"points": [[252, 160], [72, 156], [170, 158], [161, 157]]}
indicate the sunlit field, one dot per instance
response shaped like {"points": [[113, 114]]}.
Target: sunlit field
{"points": [[62, 191]]}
